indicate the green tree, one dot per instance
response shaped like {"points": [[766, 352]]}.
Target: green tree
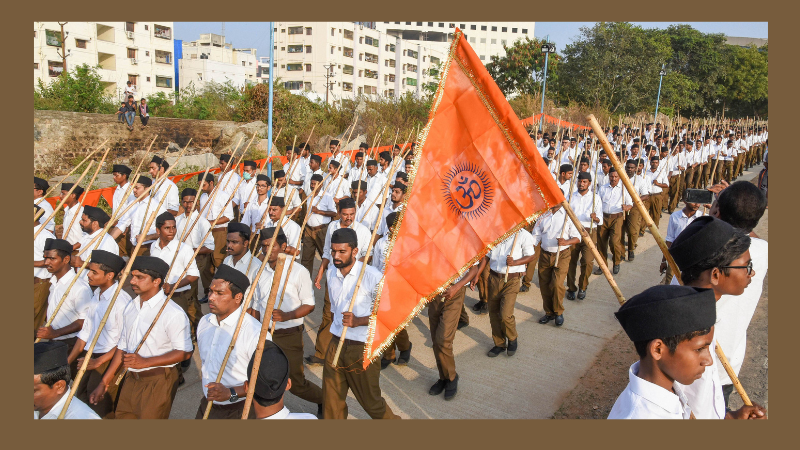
{"points": [[521, 70], [79, 90], [745, 86], [613, 66]]}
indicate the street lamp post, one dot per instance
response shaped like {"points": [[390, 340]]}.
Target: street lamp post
{"points": [[328, 75], [271, 80], [547, 48], [661, 73]]}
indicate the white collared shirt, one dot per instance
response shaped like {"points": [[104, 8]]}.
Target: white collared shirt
{"points": [[613, 198], [368, 218], [296, 172], [678, 221], [344, 160], [323, 202], [307, 182], [292, 231], [109, 336], [247, 192], [362, 233], [119, 193], [255, 211], [76, 305], [584, 205], [523, 247], [285, 414], [566, 185], [74, 234], [340, 292], [198, 232], [705, 394], [171, 332], [298, 292], [642, 399], [379, 253], [170, 189], [182, 261], [213, 340], [77, 410], [659, 176], [48, 209], [228, 187], [38, 251], [549, 228], [296, 202], [211, 212], [245, 266], [137, 219], [337, 187], [106, 243], [383, 229]]}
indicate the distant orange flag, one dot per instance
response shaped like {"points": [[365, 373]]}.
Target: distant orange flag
{"points": [[477, 178]]}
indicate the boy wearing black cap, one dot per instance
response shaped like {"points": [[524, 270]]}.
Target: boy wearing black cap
{"points": [[323, 209], [214, 335], [296, 171], [335, 184], [588, 208], [194, 238], [564, 178], [314, 163], [657, 181], [616, 201], [280, 185], [103, 269], [41, 277], [51, 377], [212, 212], [150, 384], [271, 382], [289, 226], [396, 196], [72, 207], [340, 157], [92, 222], [247, 190], [375, 179], [258, 203], [138, 215], [40, 186], [227, 180], [358, 171], [67, 322]]}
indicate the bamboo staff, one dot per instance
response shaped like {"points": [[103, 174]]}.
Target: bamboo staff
{"points": [[280, 221], [169, 297], [262, 337], [53, 187], [63, 200], [594, 187], [374, 200], [88, 356], [513, 245], [361, 172], [88, 188], [132, 181], [246, 303], [155, 191], [241, 213], [80, 272], [569, 197], [360, 276]]}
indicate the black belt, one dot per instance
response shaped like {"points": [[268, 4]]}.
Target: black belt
{"points": [[317, 227], [553, 253], [612, 216], [348, 341], [291, 330], [510, 275]]}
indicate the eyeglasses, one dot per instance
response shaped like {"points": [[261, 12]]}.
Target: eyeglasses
{"points": [[749, 267]]}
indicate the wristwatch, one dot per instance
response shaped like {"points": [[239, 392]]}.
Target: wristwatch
{"points": [[234, 396]]}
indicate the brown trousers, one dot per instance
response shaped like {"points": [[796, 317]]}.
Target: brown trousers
{"points": [[313, 243], [727, 172], [689, 177], [41, 291], [716, 170], [220, 244], [531, 266], [581, 251], [324, 335], [443, 317], [91, 379], [654, 210], [551, 281], [632, 224], [291, 343], [191, 307], [610, 233], [232, 412], [674, 192], [706, 175], [502, 298], [483, 284], [148, 397], [349, 375], [123, 243], [402, 343], [204, 265]]}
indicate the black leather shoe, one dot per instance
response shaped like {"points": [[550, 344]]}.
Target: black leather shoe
{"points": [[559, 320], [462, 325], [203, 300], [616, 269], [477, 306], [545, 318], [438, 387], [641, 233], [314, 361], [581, 294], [524, 288], [484, 309], [495, 351], [385, 363], [405, 356], [512, 347], [181, 380], [570, 295], [597, 271], [631, 256], [451, 388]]}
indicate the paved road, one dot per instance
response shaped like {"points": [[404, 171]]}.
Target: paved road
{"points": [[532, 384]]}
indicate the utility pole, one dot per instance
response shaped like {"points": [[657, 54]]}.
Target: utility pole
{"points": [[63, 53], [328, 75], [271, 81], [547, 48], [661, 73]]}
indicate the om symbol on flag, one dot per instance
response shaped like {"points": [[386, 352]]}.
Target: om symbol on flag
{"points": [[467, 190]]}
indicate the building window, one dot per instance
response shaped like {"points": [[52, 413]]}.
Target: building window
{"points": [[370, 90], [163, 82], [483, 40], [308, 31], [308, 49], [148, 79], [307, 86], [483, 27], [504, 29], [513, 30], [348, 52], [392, 63], [413, 54], [524, 31], [452, 25], [166, 57], [473, 27], [472, 39], [294, 67], [411, 81], [494, 28], [347, 87], [347, 70], [133, 79], [52, 38], [419, 24], [483, 57], [283, 49], [360, 73], [283, 30], [332, 48], [494, 41], [308, 67], [129, 26], [348, 34], [434, 60], [333, 31], [242, 63], [503, 42], [55, 68], [35, 66], [162, 32], [131, 53], [147, 53], [408, 23], [293, 85], [80, 43], [295, 48], [441, 24], [463, 26], [371, 74], [430, 24], [369, 57], [361, 39], [145, 29]]}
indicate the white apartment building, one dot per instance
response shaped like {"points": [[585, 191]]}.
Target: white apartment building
{"points": [[139, 52], [486, 38], [352, 59], [210, 58]]}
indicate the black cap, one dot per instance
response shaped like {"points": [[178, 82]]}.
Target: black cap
{"points": [[279, 174], [402, 175], [157, 159], [702, 238], [229, 274], [664, 311], [288, 148], [355, 185], [345, 236], [96, 214], [121, 168], [116, 263], [49, 355], [273, 372], [189, 192], [249, 163], [67, 186], [234, 227], [57, 244], [144, 181], [277, 201], [41, 183], [151, 263], [363, 145], [346, 203]]}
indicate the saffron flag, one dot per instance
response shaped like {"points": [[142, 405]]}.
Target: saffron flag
{"points": [[477, 178]]}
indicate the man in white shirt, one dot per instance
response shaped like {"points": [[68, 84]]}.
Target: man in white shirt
{"points": [[366, 210], [335, 183], [72, 213], [323, 209], [179, 257], [257, 206], [289, 226], [103, 269], [214, 335], [271, 384], [41, 277], [247, 190], [677, 163], [502, 295], [314, 163], [677, 222], [294, 301], [92, 224], [656, 179], [397, 196], [40, 186], [212, 212], [121, 174], [718, 151], [634, 221], [281, 190], [138, 216], [166, 187], [194, 239], [588, 208], [342, 278], [359, 170], [51, 377], [565, 179], [296, 171], [152, 376], [228, 180], [556, 233], [375, 179], [616, 201], [337, 155]]}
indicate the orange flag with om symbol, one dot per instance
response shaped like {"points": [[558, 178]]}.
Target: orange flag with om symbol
{"points": [[477, 178]]}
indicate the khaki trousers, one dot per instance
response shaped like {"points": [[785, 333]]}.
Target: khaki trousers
{"points": [[610, 233], [633, 224], [402, 343], [502, 298], [41, 290], [91, 379], [582, 252], [290, 341], [531, 267], [706, 175], [689, 178], [313, 243], [551, 281], [716, 170], [220, 236], [483, 284], [674, 191], [349, 375], [231, 412], [654, 210], [728, 171], [204, 265], [147, 397], [123, 242], [443, 317]]}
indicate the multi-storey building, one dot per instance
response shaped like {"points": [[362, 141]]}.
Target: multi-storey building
{"points": [[210, 58], [139, 52]]}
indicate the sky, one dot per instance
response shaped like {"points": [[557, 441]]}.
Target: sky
{"points": [[256, 34]]}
